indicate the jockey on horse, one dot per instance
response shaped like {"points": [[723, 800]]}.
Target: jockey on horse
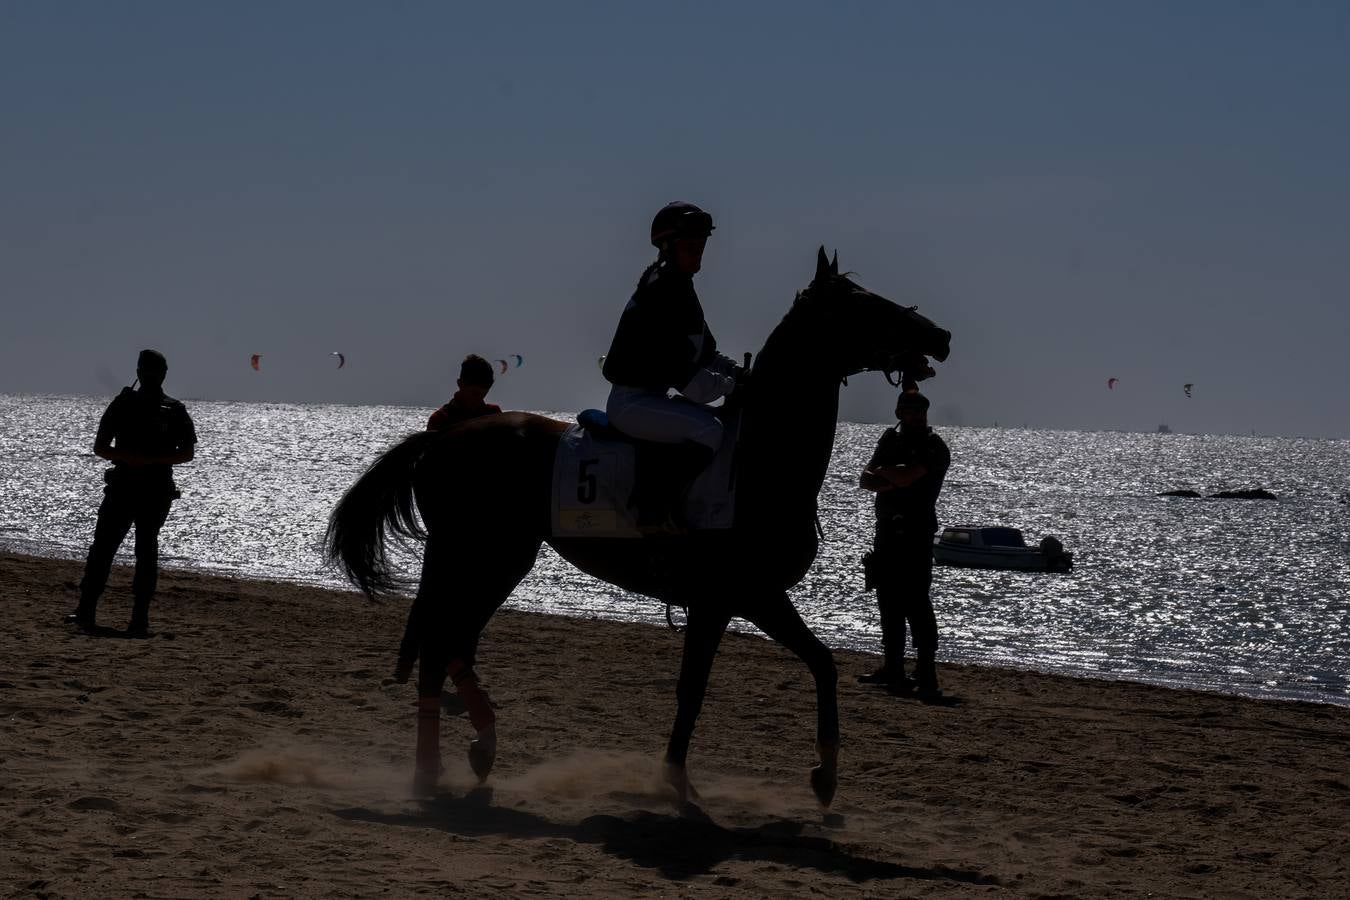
{"points": [[662, 344]]}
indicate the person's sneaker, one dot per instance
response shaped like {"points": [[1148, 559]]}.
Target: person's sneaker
{"points": [[881, 676], [85, 622], [904, 685], [927, 688], [138, 630]]}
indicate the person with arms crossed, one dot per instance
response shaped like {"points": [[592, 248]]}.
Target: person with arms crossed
{"points": [[906, 474]]}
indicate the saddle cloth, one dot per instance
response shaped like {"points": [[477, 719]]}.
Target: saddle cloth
{"points": [[593, 479]]}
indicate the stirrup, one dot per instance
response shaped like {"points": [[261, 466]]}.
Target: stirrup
{"points": [[667, 527]]}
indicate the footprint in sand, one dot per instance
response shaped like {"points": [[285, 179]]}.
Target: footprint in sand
{"points": [[87, 803], [273, 708]]}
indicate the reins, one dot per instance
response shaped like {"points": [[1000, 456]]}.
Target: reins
{"points": [[820, 532], [670, 617]]}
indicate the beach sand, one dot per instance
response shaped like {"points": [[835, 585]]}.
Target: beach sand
{"points": [[254, 748]]}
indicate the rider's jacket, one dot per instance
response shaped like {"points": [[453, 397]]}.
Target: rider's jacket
{"points": [[911, 512], [150, 423], [662, 340]]}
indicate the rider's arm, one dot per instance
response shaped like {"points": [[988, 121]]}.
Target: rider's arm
{"points": [[707, 386], [724, 365]]}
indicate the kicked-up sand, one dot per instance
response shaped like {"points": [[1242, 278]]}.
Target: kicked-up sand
{"points": [[254, 747]]}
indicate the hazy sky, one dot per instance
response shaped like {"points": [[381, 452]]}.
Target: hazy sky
{"points": [[1158, 192]]}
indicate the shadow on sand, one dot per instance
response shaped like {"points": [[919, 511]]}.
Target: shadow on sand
{"points": [[678, 847], [104, 631]]}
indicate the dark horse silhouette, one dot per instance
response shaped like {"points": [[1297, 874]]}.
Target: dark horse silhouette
{"points": [[483, 491]]}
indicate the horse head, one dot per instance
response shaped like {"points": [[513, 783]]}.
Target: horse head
{"points": [[861, 331]]}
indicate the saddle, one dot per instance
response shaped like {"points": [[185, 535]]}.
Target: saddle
{"points": [[601, 481]]}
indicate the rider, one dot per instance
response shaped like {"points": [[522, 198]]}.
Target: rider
{"points": [[662, 344]]}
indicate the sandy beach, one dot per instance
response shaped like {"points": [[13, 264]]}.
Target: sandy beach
{"points": [[254, 747]]}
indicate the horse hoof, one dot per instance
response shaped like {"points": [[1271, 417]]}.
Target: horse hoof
{"points": [[824, 782], [425, 783], [483, 753], [677, 777]]}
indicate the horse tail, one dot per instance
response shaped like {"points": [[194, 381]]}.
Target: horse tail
{"points": [[378, 504]]}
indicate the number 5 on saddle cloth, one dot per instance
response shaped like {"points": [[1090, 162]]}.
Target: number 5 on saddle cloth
{"points": [[594, 479]]}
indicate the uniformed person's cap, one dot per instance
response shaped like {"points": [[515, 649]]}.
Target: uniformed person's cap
{"points": [[152, 361], [911, 400]]}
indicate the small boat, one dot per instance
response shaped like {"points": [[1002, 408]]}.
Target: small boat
{"points": [[981, 547]]}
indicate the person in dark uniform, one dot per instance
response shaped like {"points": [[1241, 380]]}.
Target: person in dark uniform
{"points": [[663, 344], [906, 473], [144, 434], [469, 402]]}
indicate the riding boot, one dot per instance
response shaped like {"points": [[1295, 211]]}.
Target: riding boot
{"points": [[663, 489]]}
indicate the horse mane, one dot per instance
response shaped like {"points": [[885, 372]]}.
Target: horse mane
{"points": [[804, 313]]}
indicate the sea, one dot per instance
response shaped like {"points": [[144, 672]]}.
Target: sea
{"points": [[1245, 597]]}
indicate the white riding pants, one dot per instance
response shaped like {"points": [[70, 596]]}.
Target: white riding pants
{"points": [[652, 416]]}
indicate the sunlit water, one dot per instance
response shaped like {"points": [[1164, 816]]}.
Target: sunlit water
{"points": [[1247, 597]]}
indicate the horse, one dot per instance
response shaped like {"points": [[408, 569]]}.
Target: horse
{"points": [[483, 491]]}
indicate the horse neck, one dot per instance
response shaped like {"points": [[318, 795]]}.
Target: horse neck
{"points": [[789, 426]]}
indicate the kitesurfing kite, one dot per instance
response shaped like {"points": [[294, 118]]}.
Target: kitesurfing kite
{"points": [[253, 361], [342, 360], [1111, 383], [1187, 389], [504, 365]]}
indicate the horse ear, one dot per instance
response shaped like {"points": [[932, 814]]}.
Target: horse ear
{"points": [[834, 264], [822, 265]]}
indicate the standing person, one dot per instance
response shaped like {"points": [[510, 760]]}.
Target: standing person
{"points": [[469, 402], [906, 473], [144, 434], [663, 344]]}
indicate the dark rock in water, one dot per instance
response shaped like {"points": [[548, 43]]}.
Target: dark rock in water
{"points": [[1248, 494], [1185, 493]]}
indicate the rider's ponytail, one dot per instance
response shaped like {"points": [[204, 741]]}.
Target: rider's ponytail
{"points": [[646, 273]]}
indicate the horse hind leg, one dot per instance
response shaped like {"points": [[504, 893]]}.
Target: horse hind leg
{"points": [[457, 597], [483, 746]]}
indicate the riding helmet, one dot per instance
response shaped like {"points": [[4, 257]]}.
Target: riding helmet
{"points": [[680, 219]]}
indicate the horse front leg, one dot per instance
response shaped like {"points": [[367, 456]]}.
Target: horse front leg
{"points": [[778, 618], [702, 635]]}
